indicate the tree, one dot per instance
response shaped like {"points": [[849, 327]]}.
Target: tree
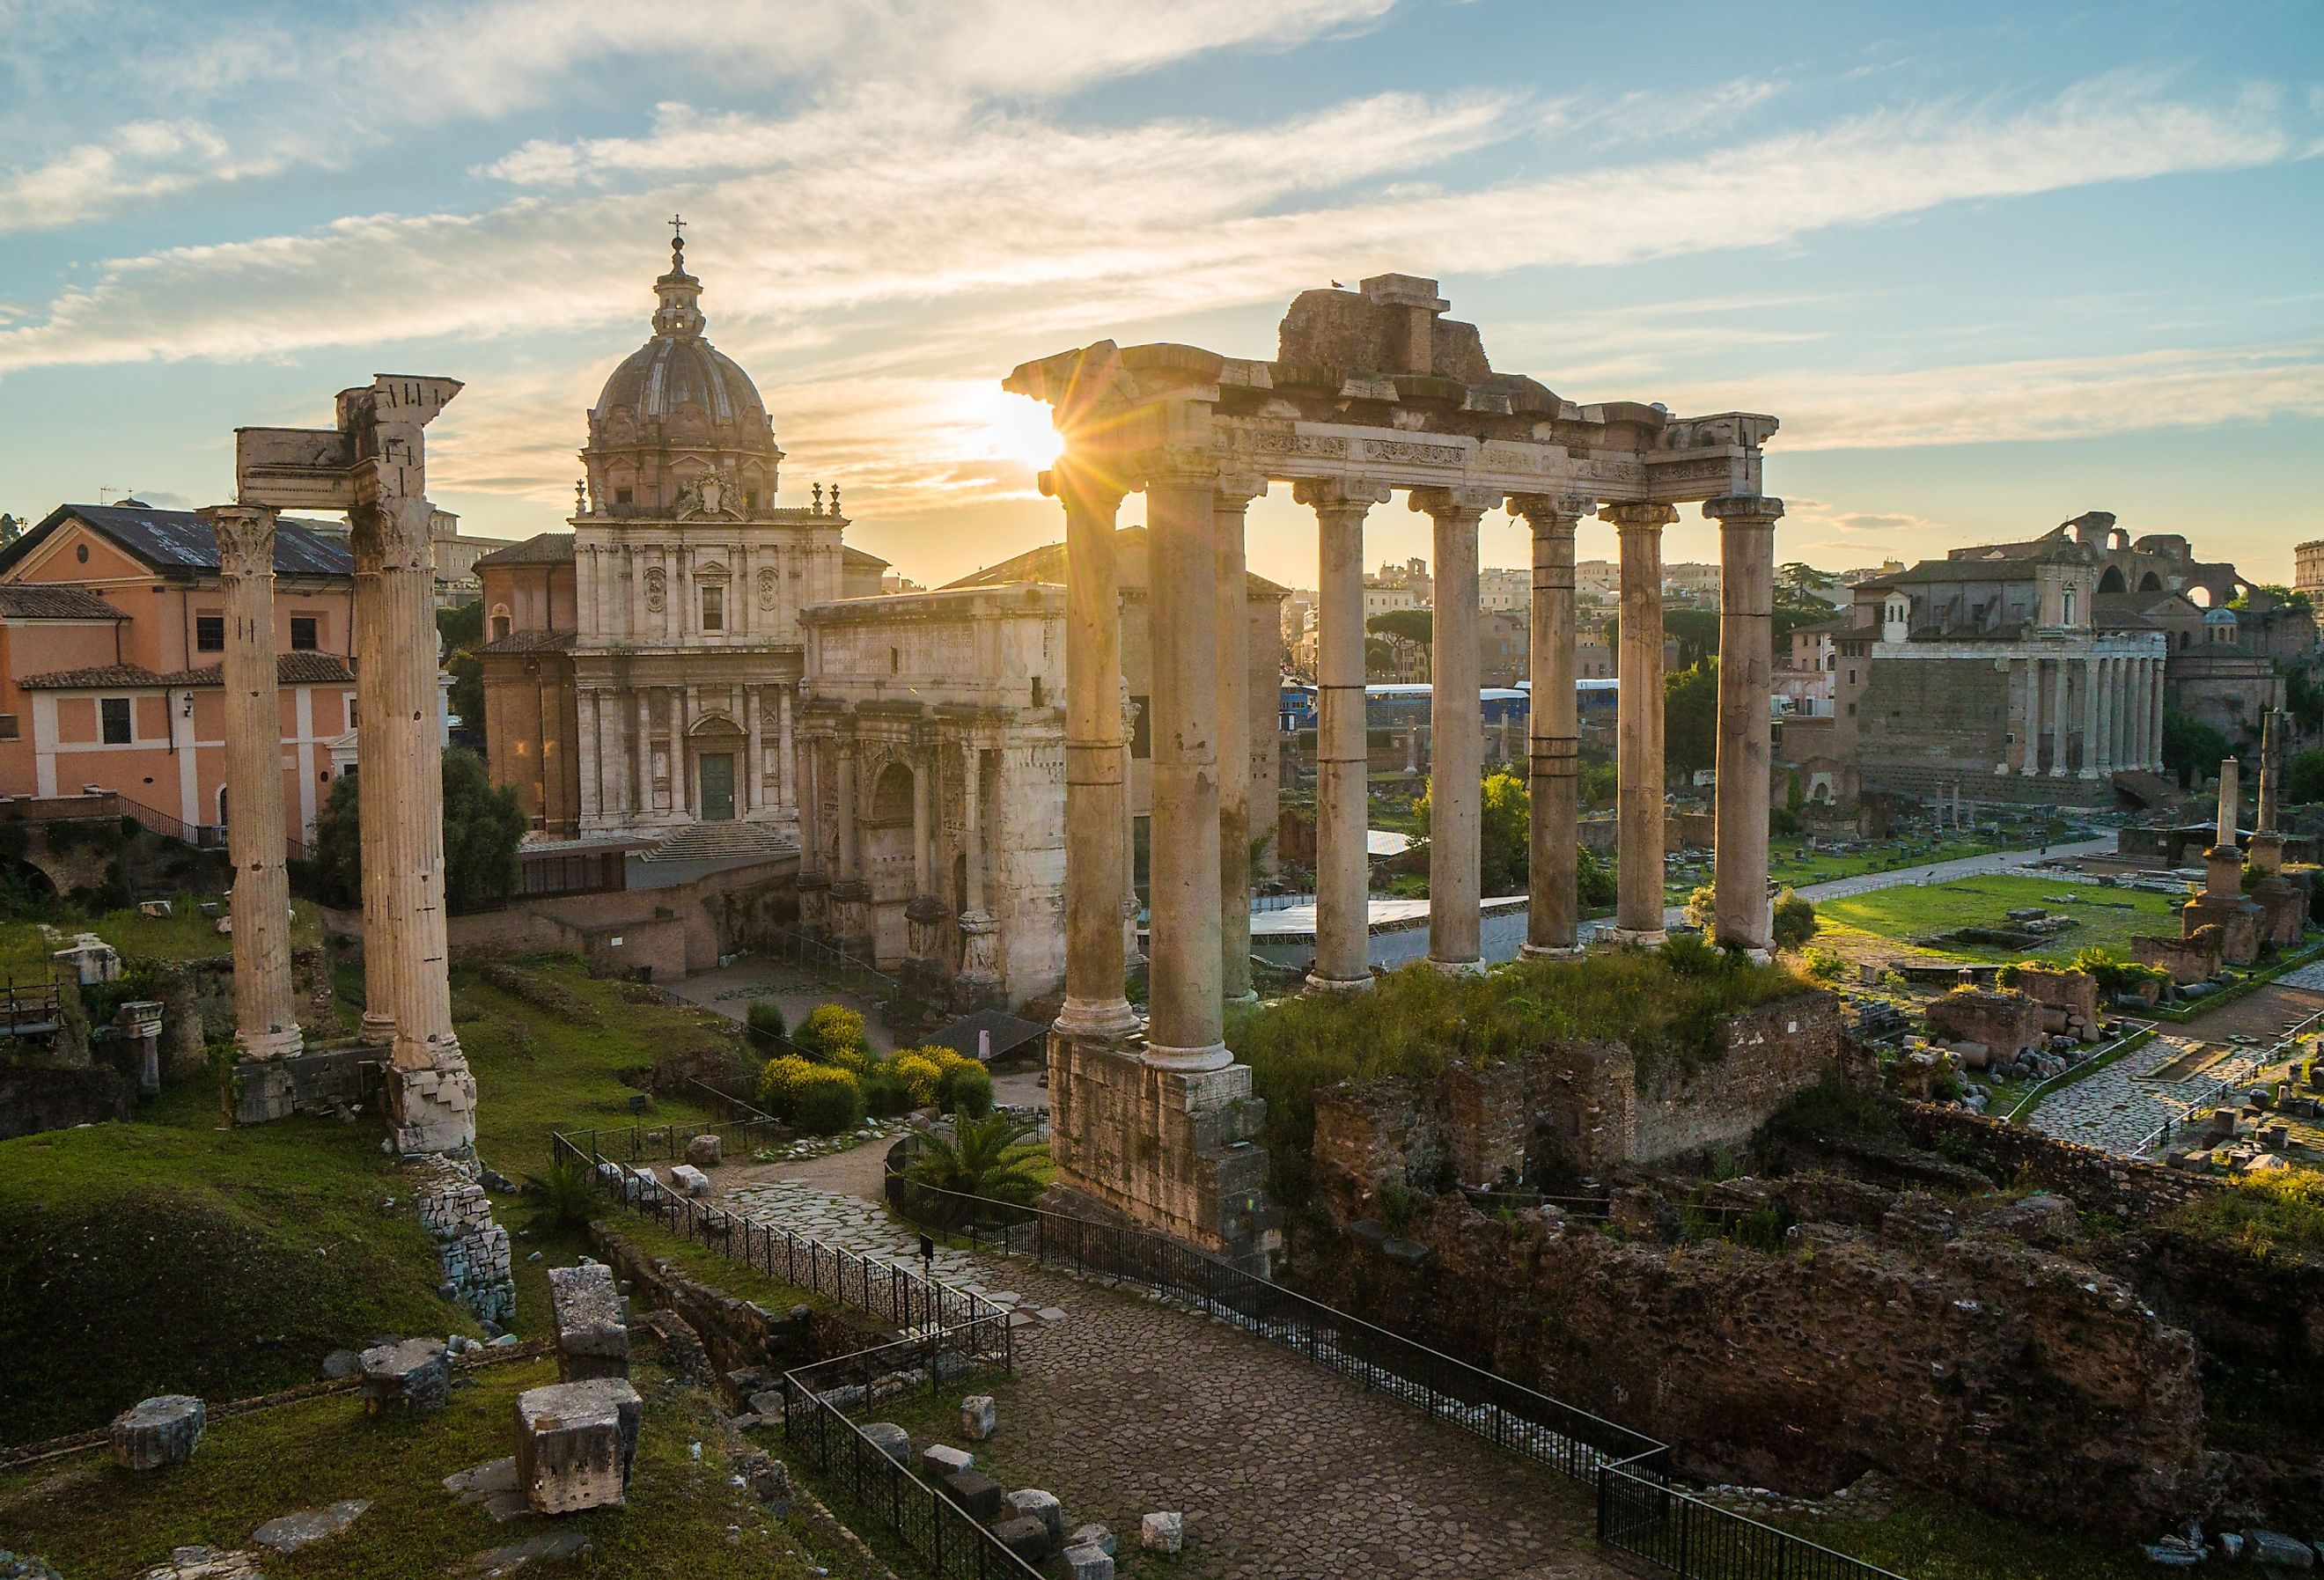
{"points": [[1794, 920], [462, 631], [992, 1157], [2303, 776], [1504, 834], [1691, 717], [1417, 626], [2191, 748], [483, 824]]}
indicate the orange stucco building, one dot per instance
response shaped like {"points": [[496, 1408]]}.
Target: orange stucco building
{"points": [[112, 635]]}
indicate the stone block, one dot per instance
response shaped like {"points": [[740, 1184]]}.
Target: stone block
{"points": [[1025, 1536], [287, 1533], [1163, 1532], [705, 1152], [2277, 1550], [414, 1375], [687, 1180], [768, 1478], [593, 1331], [976, 1495], [156, 1433], [575, 1442], [1033, 1503], [1088, 1563], [890, 1439], [1093, 1534], [980, 1418], [940, 1460]]}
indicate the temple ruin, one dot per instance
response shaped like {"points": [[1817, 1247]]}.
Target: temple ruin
{"points": [[1372, 391]]}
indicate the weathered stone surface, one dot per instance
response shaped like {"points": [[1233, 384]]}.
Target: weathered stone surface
{"points": [[157, 1432], [980, 1418], [1088, 1563], [2006, 1023], [1093, 1534], [413, 1375], [979, 1496], [1033, 1503], [25, 1566], [287, 1533], [687, 1180], [342, 1363], [1025, 1536], [532, 1549], [768, 1478], [890, 1439], [1162, 1532], [205, 1563], [575, 1442], [705, 1152], [2277, 1550], [940, 1460], [593, 1331], [492, 1484]]}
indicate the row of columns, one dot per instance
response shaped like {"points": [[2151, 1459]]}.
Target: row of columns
{"points": [[1200, 865], [2121, 709]]}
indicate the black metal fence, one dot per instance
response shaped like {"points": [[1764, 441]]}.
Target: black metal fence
{"points": [[1639, 1511]]}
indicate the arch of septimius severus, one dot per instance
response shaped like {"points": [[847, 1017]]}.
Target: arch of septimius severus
{"points": [[1371, 392]]}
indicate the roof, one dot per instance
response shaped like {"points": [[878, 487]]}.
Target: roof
{"points": [[540, 549], [1947, 571], [1047, 563], [27, 600], [1837, 623], [528, 642], [859, 557], [178, 542], [291, 668], [1009, 1032]]}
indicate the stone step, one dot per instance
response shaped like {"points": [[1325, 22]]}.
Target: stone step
{"points": [[724, 841]]}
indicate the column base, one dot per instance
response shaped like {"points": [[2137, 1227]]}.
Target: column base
{"points": [[1107, 1021], [1169, 1150], [1339, 984], [1244, 1000], [1185, 1060], [432, 1109], [1551, 951], [2087, 773], [1471, 967], [377, 1028], [269, 1044], [1642, 937]]}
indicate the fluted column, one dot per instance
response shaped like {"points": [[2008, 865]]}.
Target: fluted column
{"points": [[754, 777], [2104, 676], [2032, 742], [2061, 669], [1638, 894], [1747, 656], [1553, 910], [2156, 702], [785, 755], [377, 770], [2093, 717], [1096, 759], [1186, 1028], [1343, 865], [1235, 493], [1456, 731], [266, 1012], [1131, 955]]}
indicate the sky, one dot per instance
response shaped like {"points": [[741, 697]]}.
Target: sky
{"points": [[1992, 265]]}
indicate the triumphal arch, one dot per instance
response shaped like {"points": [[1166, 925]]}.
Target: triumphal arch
{"points": [[1371, 392]]}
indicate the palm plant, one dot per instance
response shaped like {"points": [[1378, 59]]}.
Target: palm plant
{"points": [[988, 1157]]}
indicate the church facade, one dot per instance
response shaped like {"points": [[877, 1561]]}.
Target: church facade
{"points": [[642, 672]]}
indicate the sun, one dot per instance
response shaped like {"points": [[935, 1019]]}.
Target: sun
{"points": [[1015, 428]]}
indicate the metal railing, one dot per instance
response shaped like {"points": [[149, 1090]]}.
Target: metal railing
{"points": [[1640, 1510], [666, 1143], [202, 836]]}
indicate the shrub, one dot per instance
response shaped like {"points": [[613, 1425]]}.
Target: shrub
{"points": [[2113, 974], [834, 1034], [781, 1082], [828, 1102], [992, 1157], [766, 1018], [971, 1091], [885, 1094], [1795, 921], [1826, 965], [1702, 908], [562, 1197], [919, 1075], [1693, 954]]}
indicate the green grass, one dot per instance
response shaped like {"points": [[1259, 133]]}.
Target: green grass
{"points": [[1915, 910], [186, 934], [173, 1256], [86, 1517], [1954, 1542], [2269, 1217], [729, 1274]]}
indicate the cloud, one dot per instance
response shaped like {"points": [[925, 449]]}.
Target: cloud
{"points": [[138, 160]]}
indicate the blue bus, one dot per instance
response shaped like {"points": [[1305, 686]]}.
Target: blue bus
{"points": [[1396, 707]]}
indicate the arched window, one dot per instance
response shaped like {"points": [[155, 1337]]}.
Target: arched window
{"points": [[502, 622]]}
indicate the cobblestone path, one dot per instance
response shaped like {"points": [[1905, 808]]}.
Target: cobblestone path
{"points": [[2119, 1107], [1122, 1405]]}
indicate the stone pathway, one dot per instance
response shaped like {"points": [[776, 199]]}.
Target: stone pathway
{"points": [[1121, 1405], [2117, 1108]]}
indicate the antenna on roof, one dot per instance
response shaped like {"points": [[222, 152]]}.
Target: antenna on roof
{"points": [[103, 489]]}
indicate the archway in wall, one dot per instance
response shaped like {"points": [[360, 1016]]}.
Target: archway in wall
{"points": [[2199, 595], [2112, 581], [887, 862], [2150, 583], [715, 753]]}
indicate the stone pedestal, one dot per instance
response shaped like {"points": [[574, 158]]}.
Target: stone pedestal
{"points": [[593, 1327], [575, 1443], [414, 1376], [156, 1433], [1172, 1150]]}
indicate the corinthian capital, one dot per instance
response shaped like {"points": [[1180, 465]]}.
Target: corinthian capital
{"points": [[1339, 495], [1552, 512], [1456, 502], [245, 538], [1743, 510], [1632, 516]]}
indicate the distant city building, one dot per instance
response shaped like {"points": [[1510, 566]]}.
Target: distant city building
{"points": [[1503, 590]]}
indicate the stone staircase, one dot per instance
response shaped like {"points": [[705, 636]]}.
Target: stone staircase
{"points": [[2148, 789], [723, 842]]}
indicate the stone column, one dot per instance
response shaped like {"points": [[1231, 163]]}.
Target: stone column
{"points": [[2106, 674], [785, 755], [2230, 803], [1131, 955], [1638, 894], [1235, 493], [1186, 1027], [2032, 743], [1552, 911], [266, 1012], [1456, 731], [1746, 655], [2271, 770], [2161, 680], [979, 972], [1343, 867], [2061, 669], [376, 770], [432, 1096], [754, 777], [2093, 719], [847, 891], [1097, 758]]}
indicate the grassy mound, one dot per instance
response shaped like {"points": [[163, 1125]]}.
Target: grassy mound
{"points": [[1666, 1005], [173, 1258]]}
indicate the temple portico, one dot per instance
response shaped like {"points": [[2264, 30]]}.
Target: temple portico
{"points": [[1372, 392]]}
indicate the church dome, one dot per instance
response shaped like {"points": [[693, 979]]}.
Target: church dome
{"points": [[677, 412]]}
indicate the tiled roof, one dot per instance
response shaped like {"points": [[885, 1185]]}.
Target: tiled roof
{"points": [[180, 542], [850, 555], [27, 600], [528, 642], [542, 548], [291, 668], [1047, 563]]}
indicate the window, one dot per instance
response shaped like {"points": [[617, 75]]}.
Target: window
{"points": [[113, 720], [1851, 710], [210, 634], [714, 608], [80, 553], [306, 634], [621, 496], [499, 626], [8, 727], [1851, 679]]}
